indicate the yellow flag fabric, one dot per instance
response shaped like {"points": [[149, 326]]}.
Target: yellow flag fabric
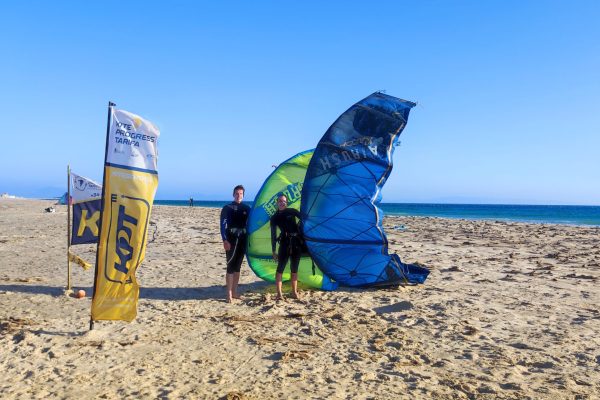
{"points": [[130, 183], [79, 261]]}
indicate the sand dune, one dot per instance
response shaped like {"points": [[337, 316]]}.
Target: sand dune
{"points": [[510, 310]]}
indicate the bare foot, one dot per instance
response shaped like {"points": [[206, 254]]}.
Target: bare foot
{"points": [[229, 300], [295, 296], [279, 298]]}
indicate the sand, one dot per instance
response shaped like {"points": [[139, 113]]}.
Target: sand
{"points": [[510, 310]]}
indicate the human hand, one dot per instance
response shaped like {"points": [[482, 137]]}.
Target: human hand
{"points": [[226, 245]]}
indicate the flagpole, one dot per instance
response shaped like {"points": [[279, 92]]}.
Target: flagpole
{"points": [[69, 288], [110, 106]]}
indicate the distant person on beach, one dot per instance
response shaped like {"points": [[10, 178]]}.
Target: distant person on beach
{"points": [[191, 202], [234, 217], [290, 244]]}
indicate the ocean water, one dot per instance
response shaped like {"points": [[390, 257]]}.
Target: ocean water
{"points": [[571, 215]]}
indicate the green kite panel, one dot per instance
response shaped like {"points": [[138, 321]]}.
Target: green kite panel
{"points": [[287, 178]]}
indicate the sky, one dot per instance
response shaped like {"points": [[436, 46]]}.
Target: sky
{"points": [[508, 92]]}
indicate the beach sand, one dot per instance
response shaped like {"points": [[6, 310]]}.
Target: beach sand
{"points": [[510, 310]]}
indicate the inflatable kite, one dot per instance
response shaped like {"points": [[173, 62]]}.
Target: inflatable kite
{"points": [[288, 179], [342, 223]]}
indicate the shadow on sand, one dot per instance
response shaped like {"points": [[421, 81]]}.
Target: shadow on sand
{"points": [[152, 293], [33, 289], [394, 308]]}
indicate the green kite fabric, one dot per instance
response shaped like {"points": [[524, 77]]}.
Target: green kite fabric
{"points": [[287, 178]]}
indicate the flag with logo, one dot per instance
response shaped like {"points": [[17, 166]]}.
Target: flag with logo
{"points": [[130, 182], [85, 197]]}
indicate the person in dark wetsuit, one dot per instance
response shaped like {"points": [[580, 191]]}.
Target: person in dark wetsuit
{"points": [[290, 245], [234, 217]]}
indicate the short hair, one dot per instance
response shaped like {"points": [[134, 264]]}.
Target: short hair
{"points": [[280, 194], [238, 187]]}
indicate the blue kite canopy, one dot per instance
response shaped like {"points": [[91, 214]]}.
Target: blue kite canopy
{"points": [[342, 223]]}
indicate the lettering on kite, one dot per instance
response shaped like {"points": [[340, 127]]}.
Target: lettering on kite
{"points": [[293, 192]]}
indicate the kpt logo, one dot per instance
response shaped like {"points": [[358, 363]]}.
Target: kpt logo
{"points": [[128, 224]]}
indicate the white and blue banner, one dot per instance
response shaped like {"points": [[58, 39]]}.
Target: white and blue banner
{"points": [[84, 189], [132, 142], [86, 199]]}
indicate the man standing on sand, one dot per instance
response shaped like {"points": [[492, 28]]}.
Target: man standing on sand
{"points": [[234, 217], [290, 244]]}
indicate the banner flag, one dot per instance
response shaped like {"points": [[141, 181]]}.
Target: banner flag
{"points": [[85, 197], [86, 217], [130, 182], [84, 189], [79, 261]]}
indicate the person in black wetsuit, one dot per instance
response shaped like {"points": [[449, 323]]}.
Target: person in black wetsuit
{"points": [[234, 217], [290, 245]]}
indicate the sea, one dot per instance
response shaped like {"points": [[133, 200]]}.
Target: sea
{"points": [[568, 215]]}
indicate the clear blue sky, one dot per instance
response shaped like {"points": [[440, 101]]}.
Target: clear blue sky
{"points": [[508, 91]]}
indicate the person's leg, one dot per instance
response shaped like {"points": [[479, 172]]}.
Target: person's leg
{"points": [[234, 286], [295, 261], [229, 284], [295, 294], [281, 262], [239, 259], [278, 286], [229, 276]]}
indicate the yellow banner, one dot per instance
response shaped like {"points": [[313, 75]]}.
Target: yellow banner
{"points": [[128, 199], [130, 182], [79, 261]]}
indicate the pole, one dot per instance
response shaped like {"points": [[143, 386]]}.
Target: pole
{"points": [[110, 106], [69, 289]]}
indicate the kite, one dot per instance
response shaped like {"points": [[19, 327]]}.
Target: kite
{"points": [[342, 224], [286, 179]]}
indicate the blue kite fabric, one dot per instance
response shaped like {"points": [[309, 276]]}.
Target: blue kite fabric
{"points": [[342, 223]]}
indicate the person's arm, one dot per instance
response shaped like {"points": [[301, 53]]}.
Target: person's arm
{"points": [[273, 236], [296, 214], [223, 225], [248, 210]]}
